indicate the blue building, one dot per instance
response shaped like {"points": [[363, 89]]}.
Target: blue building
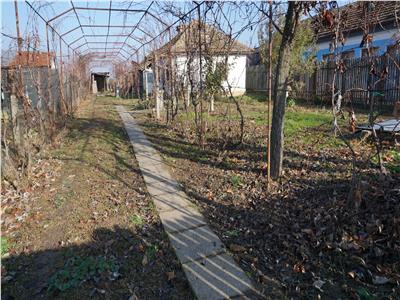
{"points": [[383, 32]]}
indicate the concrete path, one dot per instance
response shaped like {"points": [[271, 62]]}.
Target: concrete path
{"points": [[211, 271]]}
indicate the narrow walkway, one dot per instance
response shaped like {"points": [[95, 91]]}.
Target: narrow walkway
{"points": [[212, 273]]}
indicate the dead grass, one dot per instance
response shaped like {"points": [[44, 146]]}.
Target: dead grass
{"points": [[81, 237]]}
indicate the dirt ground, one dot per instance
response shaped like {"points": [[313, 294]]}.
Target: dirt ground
{"points": [[303, 239], [86, 227]]}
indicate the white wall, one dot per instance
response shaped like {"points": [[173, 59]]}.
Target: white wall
{"points": [[236, 72]]}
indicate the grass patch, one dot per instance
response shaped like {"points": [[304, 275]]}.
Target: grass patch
{"points": [[248, 97], [232, 233], [137, 221], [151, 252], [364, 294], [236, 180], [4, 245], [297, 120], [152, 207], [392, 158], [78, 270], [59, 200]]}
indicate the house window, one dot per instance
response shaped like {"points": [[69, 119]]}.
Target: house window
{"points": [[374, 51], [328, 57], [393, 49], [348, 54]]}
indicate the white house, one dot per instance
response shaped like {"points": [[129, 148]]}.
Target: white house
{"points": [[182, 55]]}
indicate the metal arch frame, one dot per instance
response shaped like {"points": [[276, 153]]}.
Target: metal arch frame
{"points": [[146, 12], [142, 43], [103, 42], [137, 24], [77, 17], [110, 49], [49, 25], [105, 26], [105, 55], [108, 29], [90, 52], [111, 43], [169, 27], [110, 9]]}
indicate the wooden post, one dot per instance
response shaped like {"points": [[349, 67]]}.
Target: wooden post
{"points": [[69, 80], [137, 76], [64, 108], [18, 31], [49, 76], [156, 88], [202, 129], [14, 110], [269, 94], [17, 84]]}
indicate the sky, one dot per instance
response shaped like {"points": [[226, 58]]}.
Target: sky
{"points": [[32, 25]]}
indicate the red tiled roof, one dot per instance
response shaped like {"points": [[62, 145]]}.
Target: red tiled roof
{"points": [[381, 14], [217, 42], [31, 59]]}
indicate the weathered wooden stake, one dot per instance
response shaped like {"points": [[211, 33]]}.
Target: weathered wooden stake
{"points": [[156, 88], [269, 94]]}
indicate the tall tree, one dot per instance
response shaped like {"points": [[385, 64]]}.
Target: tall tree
{"points": [[281, 82], [302, 57]]}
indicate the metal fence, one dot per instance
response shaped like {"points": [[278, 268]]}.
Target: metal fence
{"points": [[42, 85], [36, 103]]}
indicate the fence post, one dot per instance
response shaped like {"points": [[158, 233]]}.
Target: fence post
{"points": [[63, 105], [156, 88], [14, 119]]}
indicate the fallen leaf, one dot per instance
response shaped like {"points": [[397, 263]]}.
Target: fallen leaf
{"points": [[141, 248], [170, 275], [299, 268], [237, 248], [145, 260]]}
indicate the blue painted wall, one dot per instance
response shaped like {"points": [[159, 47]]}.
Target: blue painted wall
{"points": [[382, 44]]}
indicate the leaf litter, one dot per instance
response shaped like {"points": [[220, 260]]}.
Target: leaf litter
{"points": [[303, 238]]}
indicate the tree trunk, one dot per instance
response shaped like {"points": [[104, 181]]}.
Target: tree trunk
{"points": [[280, 87]]}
